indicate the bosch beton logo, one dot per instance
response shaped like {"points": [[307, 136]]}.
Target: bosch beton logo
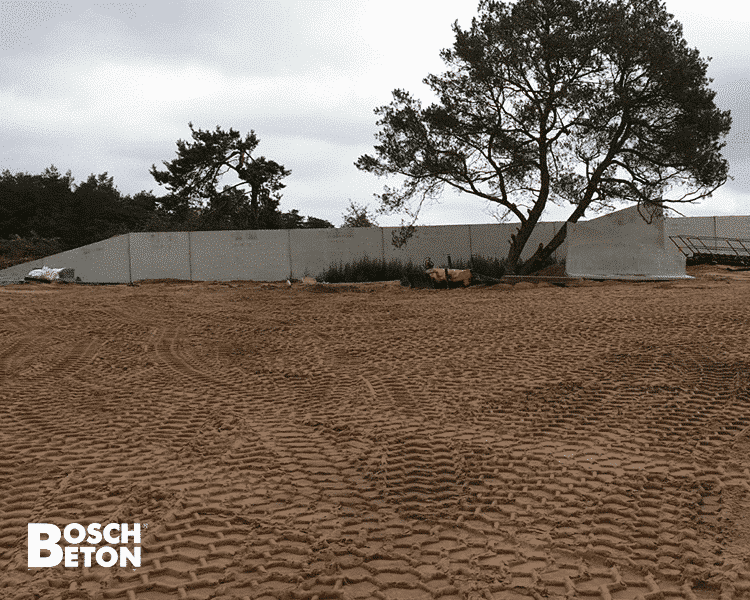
{"points": [[75, 554]]}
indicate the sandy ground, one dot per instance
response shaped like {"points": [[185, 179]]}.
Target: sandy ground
{"points": [[381, 442]]}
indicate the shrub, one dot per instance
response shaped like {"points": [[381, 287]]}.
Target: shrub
{"points": [[20, 250], [370, 269]]}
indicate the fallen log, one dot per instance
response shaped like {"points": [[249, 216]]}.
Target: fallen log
{"points": [[448, 276], [485, 279]]}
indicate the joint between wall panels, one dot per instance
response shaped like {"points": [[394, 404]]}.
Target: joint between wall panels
{"points": [[190, 254], [130, 262], [289, 252]]}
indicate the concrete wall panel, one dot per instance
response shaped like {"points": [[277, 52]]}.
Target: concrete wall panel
{"points": [[622, 244], [491, 240], [261, 255], [701, 226], [160, 255], [435, 241], [315, 250], [733, 227], [542, 234], [102, 262], [309, 252]]}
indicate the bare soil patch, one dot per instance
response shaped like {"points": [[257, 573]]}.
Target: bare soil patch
{"points": [[383, 442]]}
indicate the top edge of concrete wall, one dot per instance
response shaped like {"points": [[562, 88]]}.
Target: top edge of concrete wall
{"points": [[418, 226]]}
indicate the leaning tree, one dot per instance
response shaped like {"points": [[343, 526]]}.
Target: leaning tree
{"points": [[193, 179], [580, 102]]}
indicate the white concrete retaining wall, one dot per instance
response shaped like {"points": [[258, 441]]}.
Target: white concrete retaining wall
{"points": [[312, 251], [733, 227], [261, 255], [107, 261], [702, 226], [542, 234], [436, 242], [561, 253], [490, 240], [623, 245], [159, 255], [275, 255]]}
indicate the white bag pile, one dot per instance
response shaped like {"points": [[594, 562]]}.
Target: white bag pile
{"points": [[50, 274]]}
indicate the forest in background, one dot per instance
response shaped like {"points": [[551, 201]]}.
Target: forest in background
{"points": [[47, 213]]}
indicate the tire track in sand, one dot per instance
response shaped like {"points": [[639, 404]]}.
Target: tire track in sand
{"points": [[499, 483]]}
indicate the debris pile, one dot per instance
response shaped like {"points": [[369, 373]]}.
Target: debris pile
{"points": [[448, 276], [49, 274]]}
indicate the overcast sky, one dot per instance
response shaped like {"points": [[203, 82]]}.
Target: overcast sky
{"points": [[111, 86]]}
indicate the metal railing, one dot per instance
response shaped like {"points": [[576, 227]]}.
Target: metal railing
{"points": [[733, 250]]}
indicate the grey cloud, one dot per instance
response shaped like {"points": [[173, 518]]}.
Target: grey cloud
{"points": [[250, 38], [107, 86], [337, 130], [22, 23]]}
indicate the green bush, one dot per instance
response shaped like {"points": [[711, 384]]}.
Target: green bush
{"points": [[369, 269], [481, 265], [20, 250]]}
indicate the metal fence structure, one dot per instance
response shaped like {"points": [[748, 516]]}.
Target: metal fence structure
{"points": [[708, 249]]}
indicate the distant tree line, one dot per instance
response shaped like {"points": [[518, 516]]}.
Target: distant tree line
{"points": [[41, 214], [51, 205], [48, 213]]}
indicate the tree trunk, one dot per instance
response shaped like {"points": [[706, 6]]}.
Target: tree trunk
{"points": [[519, 239], [514, 254], [544, 252], [523, 233]]}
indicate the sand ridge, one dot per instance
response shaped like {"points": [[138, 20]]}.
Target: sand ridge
{"points": [[381, 442]]}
